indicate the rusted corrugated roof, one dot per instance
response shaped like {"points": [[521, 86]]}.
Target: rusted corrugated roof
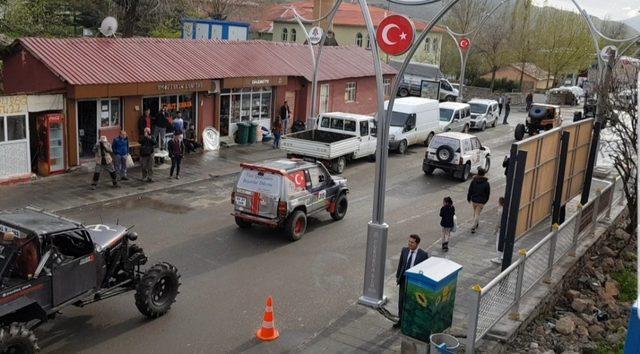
{"points": [[87, 61]]}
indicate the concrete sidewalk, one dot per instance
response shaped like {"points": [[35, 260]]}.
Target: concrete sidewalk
{"points": [[364, 330], [71, 190]]}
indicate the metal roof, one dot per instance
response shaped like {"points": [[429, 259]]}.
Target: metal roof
{"points": [[418, 69], [90, 61], [39, 222]]}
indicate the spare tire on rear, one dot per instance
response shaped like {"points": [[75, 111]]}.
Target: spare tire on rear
{"points": [[444, 153], [538, 112]]}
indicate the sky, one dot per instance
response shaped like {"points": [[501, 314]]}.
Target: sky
{"points": [[611, 9]]}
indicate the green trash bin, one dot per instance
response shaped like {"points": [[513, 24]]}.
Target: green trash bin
{"points": [[253, 132], [243, 133], [429, 298]]}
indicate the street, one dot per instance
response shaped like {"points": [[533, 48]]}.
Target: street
{"points": [[227, 273]]}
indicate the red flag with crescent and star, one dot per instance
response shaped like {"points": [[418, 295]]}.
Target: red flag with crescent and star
{"points": [[299, 180], [395, 34]]}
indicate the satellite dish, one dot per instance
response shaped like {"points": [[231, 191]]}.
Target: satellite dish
{"points": [[109, 26]]}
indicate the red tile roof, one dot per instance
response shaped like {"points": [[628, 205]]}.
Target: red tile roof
{"points": [[348, 14], [88, 61]]}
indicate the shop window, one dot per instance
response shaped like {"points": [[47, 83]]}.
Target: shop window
{"points": [[427, 44], [109, 111], [387, 87], [285, 35], [324, 98], [16, 128], [185, 104], [293, 34], [350, 92], [359, 39], [247, 104]]}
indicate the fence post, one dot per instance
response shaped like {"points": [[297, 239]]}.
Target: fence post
{"points": [[576, 232], [552, 253], [596, 206], [515, 312], [612, 190], [472, 325]]}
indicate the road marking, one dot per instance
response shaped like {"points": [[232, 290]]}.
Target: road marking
{"points": [[408, 219]]}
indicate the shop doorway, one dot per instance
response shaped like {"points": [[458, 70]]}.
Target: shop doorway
{"points": [[290, 97], [87, 128]]}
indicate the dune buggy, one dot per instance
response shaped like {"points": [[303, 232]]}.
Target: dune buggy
{"points": [[48, 262]]}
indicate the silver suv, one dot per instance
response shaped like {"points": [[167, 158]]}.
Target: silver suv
{"points": [[282, 193]]}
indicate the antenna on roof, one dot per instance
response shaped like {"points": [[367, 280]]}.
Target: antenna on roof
{"points": [[109, 26]]}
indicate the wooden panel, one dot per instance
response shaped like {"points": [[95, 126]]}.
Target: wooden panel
{"points": [[577, 158], [131, 106], [122, 90], [88, 91]]}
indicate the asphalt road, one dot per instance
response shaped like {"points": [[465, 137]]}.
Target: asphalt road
{"points": [[227, 273]]}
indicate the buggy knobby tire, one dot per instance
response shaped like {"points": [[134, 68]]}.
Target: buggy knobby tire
{"points": [[157, 290], [519, 132], [16, 338], [296, 225], [341, 207]]}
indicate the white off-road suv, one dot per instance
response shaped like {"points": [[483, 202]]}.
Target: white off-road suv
{"points": [[456, 153]]}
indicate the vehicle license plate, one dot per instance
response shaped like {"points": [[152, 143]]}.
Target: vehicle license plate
{"points": [[241, 201]]}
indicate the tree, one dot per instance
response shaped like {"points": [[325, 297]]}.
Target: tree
{"points": [[563, 42], [521, 32], [492, 44], [36, 18], [620, 138], [227, 9]]}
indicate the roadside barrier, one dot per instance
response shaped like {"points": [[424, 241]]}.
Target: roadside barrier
{"points": [[268, 329], [502, 295]]}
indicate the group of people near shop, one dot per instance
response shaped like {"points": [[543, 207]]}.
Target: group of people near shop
{"points": [[115, 157]]}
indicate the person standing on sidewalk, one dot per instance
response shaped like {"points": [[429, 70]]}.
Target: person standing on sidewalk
{"points": [[529, 101], [507, 109], [285, 114], [147, 146], [160, 127], [277, 133], [176, 152], [409, 257], [478, 196], [447, 213], [120, 147], [103, 162], [498, 259], [178, 124], [500, 104]]}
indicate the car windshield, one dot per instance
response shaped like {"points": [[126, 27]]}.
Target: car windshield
{"points": [[445, 114], [259, 181], [399, 119], [443, 140], [478, 108]]}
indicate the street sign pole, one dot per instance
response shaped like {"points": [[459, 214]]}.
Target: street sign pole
{"points": [[377, 229]]}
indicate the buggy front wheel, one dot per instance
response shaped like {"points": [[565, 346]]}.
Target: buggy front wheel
{"points": [[157, 290]]}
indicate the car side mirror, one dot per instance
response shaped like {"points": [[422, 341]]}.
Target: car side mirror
{"points": [[482, 148]]}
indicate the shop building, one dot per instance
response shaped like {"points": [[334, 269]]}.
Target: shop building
{"points": [[107, 83]]}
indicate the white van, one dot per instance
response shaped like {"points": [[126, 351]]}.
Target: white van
{"points": [[484, 113], [413, 120], [455, 116]]}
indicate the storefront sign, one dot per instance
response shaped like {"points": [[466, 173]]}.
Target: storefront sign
{"points": [[13, 104], [181, 86], [266, 81]]}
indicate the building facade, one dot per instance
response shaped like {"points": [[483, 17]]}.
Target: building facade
{"points": [[533, 79], [348, 27], [213, 83]]}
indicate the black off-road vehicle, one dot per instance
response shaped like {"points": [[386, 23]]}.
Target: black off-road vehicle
{"points": [[540, 117], [48, 262]]}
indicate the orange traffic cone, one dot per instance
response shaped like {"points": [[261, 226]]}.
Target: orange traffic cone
{"points": [[268, 330]]}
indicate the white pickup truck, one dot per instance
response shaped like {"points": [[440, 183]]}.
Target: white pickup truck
{"points": [[339, 137]]}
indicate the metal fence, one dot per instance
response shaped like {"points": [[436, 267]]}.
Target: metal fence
{"points": [[502, 295]]}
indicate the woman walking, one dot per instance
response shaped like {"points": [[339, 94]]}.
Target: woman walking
{"points": [[447, 214], [277, 133], [478, 196]]}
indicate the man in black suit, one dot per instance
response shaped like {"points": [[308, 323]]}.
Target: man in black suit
{"points": [[409, 257]]}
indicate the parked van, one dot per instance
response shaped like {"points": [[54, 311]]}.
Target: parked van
{"points": [[411, 84], [414, 120], [455, 116], [484, 113]]}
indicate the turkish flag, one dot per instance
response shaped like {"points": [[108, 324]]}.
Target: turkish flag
{"points": [[299, 179]]}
